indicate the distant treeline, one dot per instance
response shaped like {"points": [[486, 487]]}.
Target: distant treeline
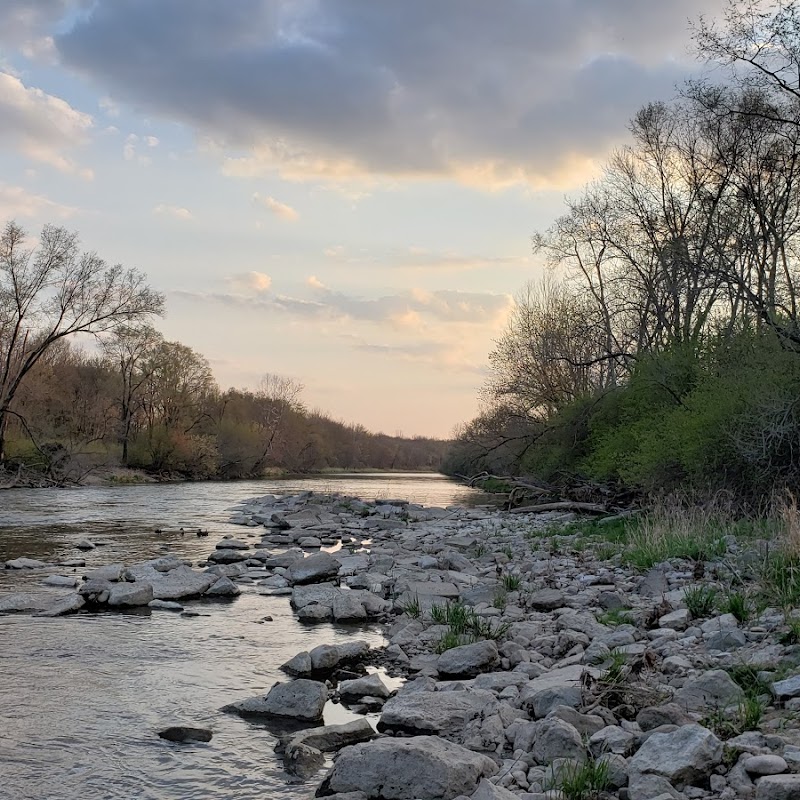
{"points": [[661, 351], [154, 405]]}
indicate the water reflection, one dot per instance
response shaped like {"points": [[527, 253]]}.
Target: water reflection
{"points": [[82, 697]]}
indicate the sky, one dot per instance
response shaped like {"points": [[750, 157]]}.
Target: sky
{"points": [[338, 191]]}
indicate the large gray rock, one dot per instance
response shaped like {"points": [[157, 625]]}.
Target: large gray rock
{"points": [[299, 699], [223, 587], [347, 607], [715, 689], [788, 688], [490, 791], [549, 739], [325, 657], [228, 556], [443, 713], [109, 572], [546, 600], [64, 605], [778, 787], [421, 768], [302, 759], [299, 664], [369, 686], [468, 660], [25, 601], [25, 563], [688, 755], [171, 579], [316, 568], [67, 581], [330, 738], [126, 595], [319, 594]]}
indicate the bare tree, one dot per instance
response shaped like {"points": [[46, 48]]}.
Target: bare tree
{"points": [[277, 396], [54, 291]]}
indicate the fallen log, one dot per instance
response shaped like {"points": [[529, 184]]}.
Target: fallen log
{"points": [[562, 505]]}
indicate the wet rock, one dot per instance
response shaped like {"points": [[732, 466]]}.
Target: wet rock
{"points": [[85, 544], [165, 605], [299, 664], [61, 580], [348, 608], [327, 657], [229, 556], [109, 572], [299, 699], [96, 592], [302, 760], [25, 563], [63, 606], [232, 544], [313, 569], [317, 594], [330, 738], [370, 686], [224, 587], [24, 601], [421, 768], [468, 660], [130, 594], [185, 733], [171, 579]]}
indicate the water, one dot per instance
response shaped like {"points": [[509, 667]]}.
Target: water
{"points": [[82, 697]]}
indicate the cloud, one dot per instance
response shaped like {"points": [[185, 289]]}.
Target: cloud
{"points": [[176, 212], [486, 93], [257, 282], [15, 202], [23, 23], [41, 126], [277, 208]]}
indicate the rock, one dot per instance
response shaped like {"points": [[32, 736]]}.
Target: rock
{"points": [[326, 657], [315, 613], [299, 699], [232, 544], [654, 583], [299, 664], [586, 724], [541, 703], [184, 733], [224, 587], [612, 739], [319, 594], [331, 738], [109, 572], [727, 640], [229, 556], [667, 714], [171, 579], [765, 765], [714, 688], [97, 592], [85, 544], [371, 686], [348, 608], [61, 580], [678, 620], [130, 594], [165, 605], [489, 791], [313, 569], [302, 760], [687, 755], [422, 768], [310, 541], [25, 563], [549, 739], [64, 605], [446, 714], [25, 601], [778, 787], [787, 689], [468, 660], [546, 600]]}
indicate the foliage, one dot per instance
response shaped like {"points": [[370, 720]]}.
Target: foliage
{"points": [[700, 600], [582, 780]]}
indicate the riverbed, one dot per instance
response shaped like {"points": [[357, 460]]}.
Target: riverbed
{"points": [[82, 697]]}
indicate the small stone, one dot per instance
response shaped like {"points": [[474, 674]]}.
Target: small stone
{"points": [[765, 765], [184, 733], [785, 689]]}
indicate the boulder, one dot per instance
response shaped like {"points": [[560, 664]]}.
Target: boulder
{"points": [[299, 699], [326, 657], [171, 579], [318, 594], [313, 569], [330, 738], [96, 592], [109, 572], [549, 739], [185, 733], [228, 556], [715, 689], [25, 601], [302, 760], [667, 714], [232, 544], [64, 605], [347, 607], [299, 664], [443, 713], [223, 587], [128, 595], [787, 689], [546, 600], [421, 768], [490, 791], [687, 755], [370, 686], [765, 765], [778, 787], [61, 580], [468, 660], [25, 563]]}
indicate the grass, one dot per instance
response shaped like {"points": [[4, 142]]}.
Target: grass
{"points": [[738, 604], [700, 600], [616, 616], [500, 599], [582, 781], [746, 717], [412, 608], [792, 636], [511, 582], [465, 626]]}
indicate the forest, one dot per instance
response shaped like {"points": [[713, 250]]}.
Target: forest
{"points": [[660, 350], [88, 383]]}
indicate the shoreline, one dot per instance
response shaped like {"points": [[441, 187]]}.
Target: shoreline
{"points": [[533, 655]]}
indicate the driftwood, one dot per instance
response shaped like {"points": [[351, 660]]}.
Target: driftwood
{"points": [[562, 505]]}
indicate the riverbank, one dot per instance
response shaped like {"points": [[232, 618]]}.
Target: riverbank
{"points": [[541, 655]]}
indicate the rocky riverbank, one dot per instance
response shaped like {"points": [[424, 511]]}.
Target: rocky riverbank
{"points": [[540, 662]]}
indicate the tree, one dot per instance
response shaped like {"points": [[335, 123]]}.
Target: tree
{"points": [[54, 291], [277, 397]]}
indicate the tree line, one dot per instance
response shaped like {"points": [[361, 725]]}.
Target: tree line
{"points": [[137, 400], [660, 349]]}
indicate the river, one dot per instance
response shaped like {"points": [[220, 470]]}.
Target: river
{"points": [[82, 697]]}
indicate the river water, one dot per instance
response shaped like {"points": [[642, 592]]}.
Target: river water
{"points": [[82, 697]]}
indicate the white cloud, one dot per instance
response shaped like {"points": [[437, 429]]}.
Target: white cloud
{"points": [[176, 212], [258, 282], [277, 208], [15, 202], [315, 283], [151, 141], [107, 105], [41, 126]]}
